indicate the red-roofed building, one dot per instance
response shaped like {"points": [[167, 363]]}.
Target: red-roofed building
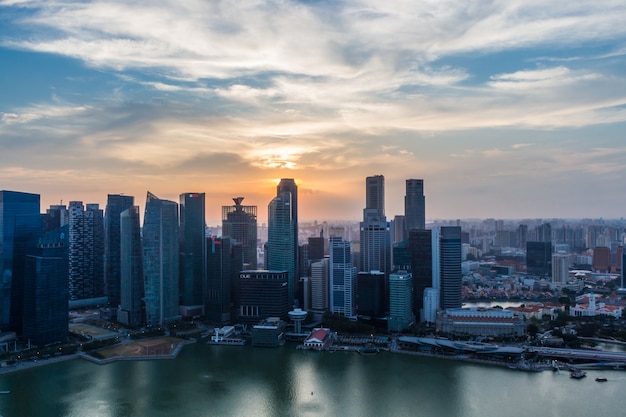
{"points": [[319, 339]]}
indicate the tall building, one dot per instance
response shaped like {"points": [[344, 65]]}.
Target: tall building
{"points": [[421, 249], [538, 258], [239, 223], [288, 185], [192, 250], [371, 296], [320, 291], [56, 216], [401, 315], [263, 294], [414, 205], [223, 266], [86, 251], [375, 244], [375, 194], [131, 286], [560, 270], [450, 267], [20, 222], [601, 259], [342, 278], [280, 249], [160, 257], [116, 204]]}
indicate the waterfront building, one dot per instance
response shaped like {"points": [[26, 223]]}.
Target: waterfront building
{"points": [[480, 322], [130, 311], [224, 260], [46, 290], [263, 294], [192, 253], [401, 315], [320, 292], [319, 339], [414, 206], [431, 305], [239, 222], [560, 270], [538, 258], [86, 251], [20, 226], [342, 278], [588, 306], [161, 257], [450, 266], [371, 297], [116, 204], [280, 248], [269, 333]]}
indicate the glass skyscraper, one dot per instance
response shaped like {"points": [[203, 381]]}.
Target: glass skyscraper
{"points": [[414, 205], [450, 266], [239, 223], [342, 278], [116, 204], [280, 248], [86, 251], [160, 257], [131, 268], [192, 249]]}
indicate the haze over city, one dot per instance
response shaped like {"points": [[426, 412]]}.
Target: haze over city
{"points": [[506, 109]]}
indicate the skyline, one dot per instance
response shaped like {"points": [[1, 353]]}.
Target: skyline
{"points": [[505, 109]]}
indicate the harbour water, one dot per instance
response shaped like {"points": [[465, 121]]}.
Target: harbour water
{"points": [[241, 381]]}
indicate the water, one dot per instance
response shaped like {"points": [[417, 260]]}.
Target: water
{"points": [[241, 381]]}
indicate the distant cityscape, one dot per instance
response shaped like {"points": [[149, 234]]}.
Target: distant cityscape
{"points": [[394, 276]]}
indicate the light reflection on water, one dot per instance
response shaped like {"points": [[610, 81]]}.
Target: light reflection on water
{"points": [[241, 381]]}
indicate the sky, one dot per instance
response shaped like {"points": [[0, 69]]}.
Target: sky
{"points": [[506, 109]]}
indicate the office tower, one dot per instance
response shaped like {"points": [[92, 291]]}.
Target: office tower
{"points": [[160, 260], [46, 290], [192, 250], [401, 315], [375, 244], [623, 274], [19, 218], [538, 258], [316, 248], [421, 250], [320, 292], [431, 305], [522, 236], [399, 232], [131, 268], [55, 217], [116, 204], [601, 259], [86, 251], [375, 194], [560, 270], [239, 223], [342, 278], [279, 253], [223, 267], [414, 205], [401, 256], [544, 232], [288, 185], [450, 264], [371, 294], [263, 294]]}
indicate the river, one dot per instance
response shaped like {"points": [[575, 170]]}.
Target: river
{"points": [[243, 381]]}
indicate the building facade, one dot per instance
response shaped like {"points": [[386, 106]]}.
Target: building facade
{"points": [[192, 249], [450, 267], [86, 251], [116, 204], [342, 278], [239, 222], [401, 315], [130, 311], [280, 248]]}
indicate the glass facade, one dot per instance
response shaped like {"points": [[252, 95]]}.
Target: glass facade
{"points": [[131, 268], [279, 254], [116, 204], [192, 248]]}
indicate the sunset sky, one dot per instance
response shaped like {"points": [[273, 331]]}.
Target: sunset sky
{"points": [[507, 109]]}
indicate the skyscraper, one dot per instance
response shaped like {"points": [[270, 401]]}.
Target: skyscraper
{"points": [[319, 286], [560, 270], [538, 258], [86, 251], [280, 248], [223, 267], [192, 249], [375, 194], [342, 278], [131, 285], [116, 204], [401, 315], [375, 253], [263, 295], [414, 205], [19, 219], [421, 249], [160, 257], [288, 185], [450, 264], [239, 223]]}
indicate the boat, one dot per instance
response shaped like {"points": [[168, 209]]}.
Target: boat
{"points": [[601, 379], [577, 374], [5, 392], [368, 350]]}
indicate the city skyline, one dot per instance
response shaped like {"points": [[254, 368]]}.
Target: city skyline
{"points": [[506, 110]]}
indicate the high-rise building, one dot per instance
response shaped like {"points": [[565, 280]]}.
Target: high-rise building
{"points": [[421, 249], [263, 294], [538, 258], [450, 267], [86, 251], [601, 259], [320, 292], [55, 217], [414, 205], [239, 222], [223, 266], [160, 257], [342, 278], [280, 248], [371, 296], [431, 305], [288, 185], [375, 244], [131, 285], [401, 315], [560, 270], [192, 250], [375, 194], [116, 204], [20, 225]]}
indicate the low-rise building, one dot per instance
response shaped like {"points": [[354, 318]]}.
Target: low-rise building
{"points": [[480, 322]]}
